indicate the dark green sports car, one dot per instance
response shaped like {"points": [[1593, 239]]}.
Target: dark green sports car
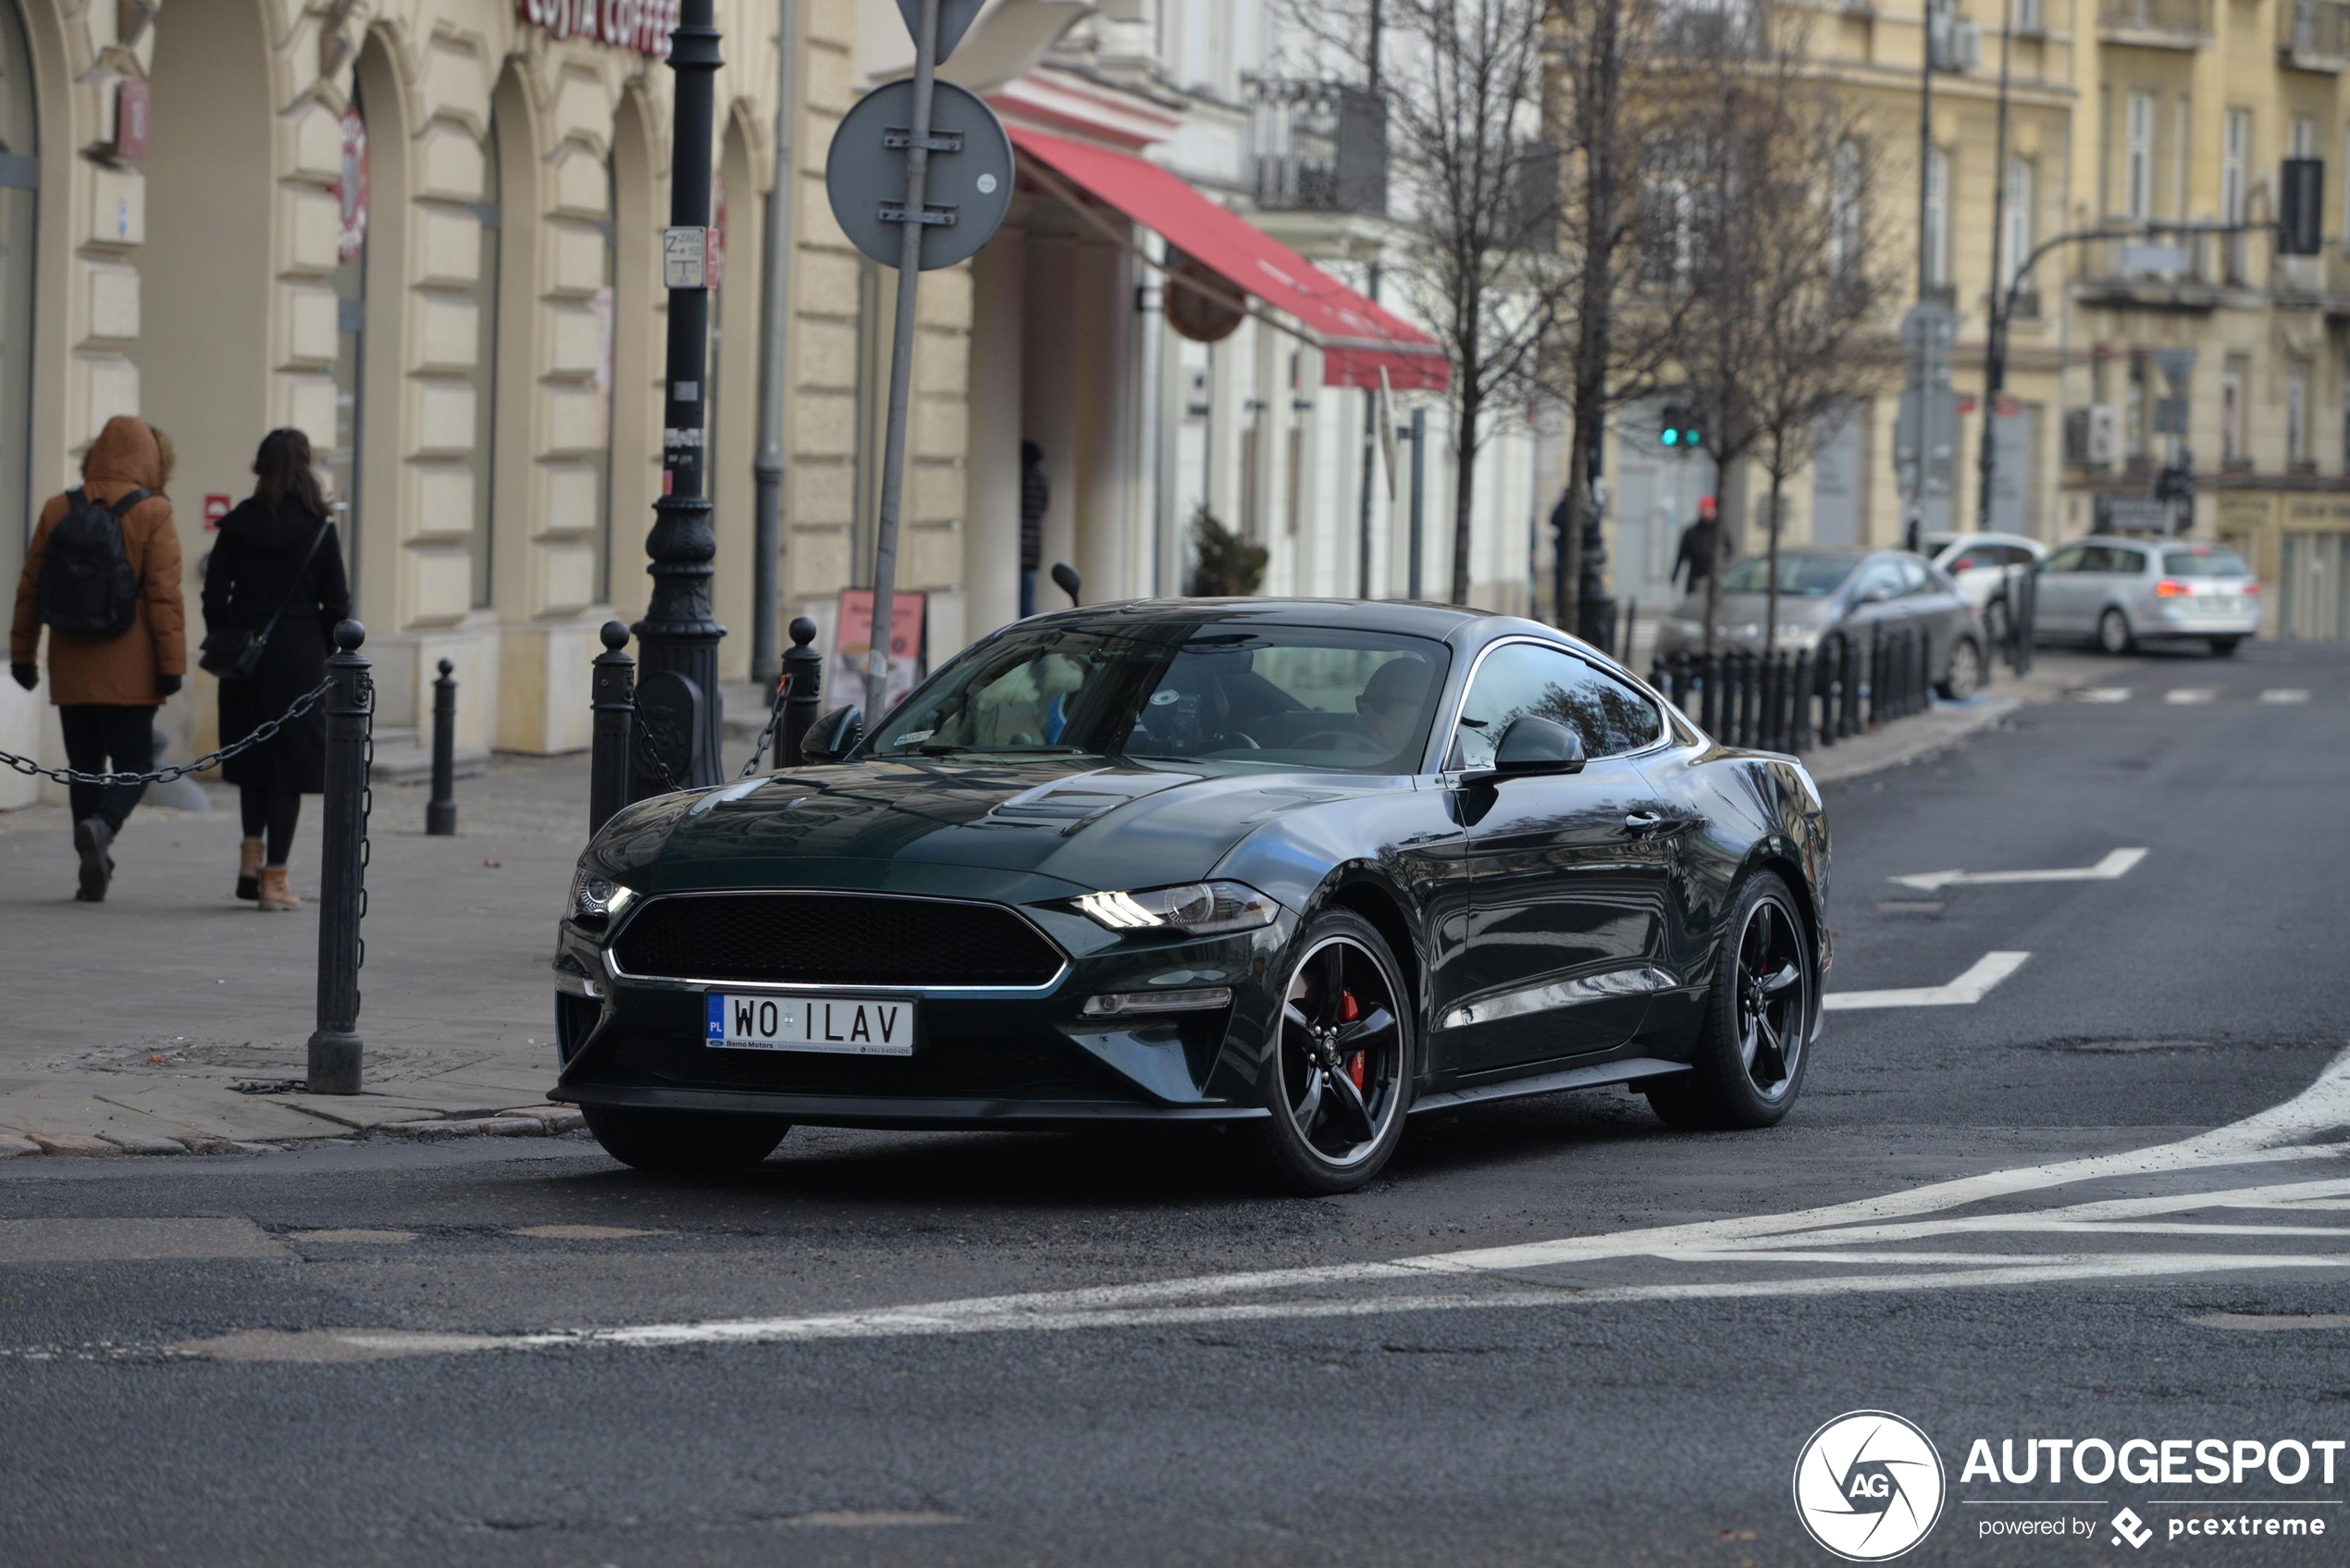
{"points": [[1302, 867]]}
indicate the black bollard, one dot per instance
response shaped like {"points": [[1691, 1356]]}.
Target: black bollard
{"points": [[1807, 693], [1681, 681], [1766, 728], [441, 811], [1825, 690], [804, 668], [351, 703], [1709, 694], [613, 695], [1747, 714], [1631, 619]]}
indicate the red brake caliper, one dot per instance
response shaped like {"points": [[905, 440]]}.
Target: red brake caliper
{"points": [[1348, 1011]]}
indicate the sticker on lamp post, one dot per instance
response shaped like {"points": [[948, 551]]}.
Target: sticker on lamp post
{"points": [[685, 258]]}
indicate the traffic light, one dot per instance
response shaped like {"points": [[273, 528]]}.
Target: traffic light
{"points": [[1679, 429]]}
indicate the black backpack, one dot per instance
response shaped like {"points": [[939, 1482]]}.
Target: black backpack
{"points": [[86, 585]]}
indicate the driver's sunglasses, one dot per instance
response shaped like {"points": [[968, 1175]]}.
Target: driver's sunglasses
{"points": [[1367, 703]]}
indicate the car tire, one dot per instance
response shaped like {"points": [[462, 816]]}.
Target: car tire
{"points": [[2113, 632], [2225, 647], [692, 1142], [1733, 1082], [1324, 1025], [1963, 674]]}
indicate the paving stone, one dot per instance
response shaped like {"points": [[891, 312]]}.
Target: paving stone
{"points": [[73, 1144], [131, 1145], [11, 1146]]}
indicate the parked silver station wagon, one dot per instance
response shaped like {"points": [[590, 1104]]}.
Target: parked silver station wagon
{"points": [[2119, 592]]}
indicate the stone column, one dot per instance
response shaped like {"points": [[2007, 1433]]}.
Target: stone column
{"points": [[990, 564]]}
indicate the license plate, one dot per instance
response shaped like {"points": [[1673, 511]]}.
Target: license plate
{"points": [[848, 1026]]}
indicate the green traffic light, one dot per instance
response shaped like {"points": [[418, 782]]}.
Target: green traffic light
{"points": [[1672, 438]]}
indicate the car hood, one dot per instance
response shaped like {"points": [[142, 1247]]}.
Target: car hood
{"points": [[1084, 822]]}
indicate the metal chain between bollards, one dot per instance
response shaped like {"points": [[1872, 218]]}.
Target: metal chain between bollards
{"points": [[261, 733]]}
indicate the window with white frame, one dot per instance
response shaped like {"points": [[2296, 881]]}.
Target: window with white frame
{"points": [[2137, 156]]}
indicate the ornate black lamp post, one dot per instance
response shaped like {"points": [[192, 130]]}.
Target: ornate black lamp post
{"points": [[677, 640]]}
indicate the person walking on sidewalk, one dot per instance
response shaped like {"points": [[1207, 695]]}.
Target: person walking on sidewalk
{"points": [[276, 575], [103, 575]]}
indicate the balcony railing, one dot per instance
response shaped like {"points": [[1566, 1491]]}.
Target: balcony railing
{"points": [[2184, 24], [2314, 34], [1320, 146]]}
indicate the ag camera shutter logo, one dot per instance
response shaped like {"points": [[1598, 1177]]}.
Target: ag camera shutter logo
{"points": [[1868, 1486]]}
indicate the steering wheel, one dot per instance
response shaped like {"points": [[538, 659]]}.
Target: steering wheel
{"points": [[1340, 740]]}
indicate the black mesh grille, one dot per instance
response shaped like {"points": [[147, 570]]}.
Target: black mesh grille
{"points": [[826, 939]]}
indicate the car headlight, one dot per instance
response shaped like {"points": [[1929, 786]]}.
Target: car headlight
{"points": [[1201, 908], [1797, 634], [595, 897]]}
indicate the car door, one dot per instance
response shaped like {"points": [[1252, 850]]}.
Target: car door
{"points": [[2123, 584], [1567, 873], [1932, 609], [1873, 603], [2063, 581]]}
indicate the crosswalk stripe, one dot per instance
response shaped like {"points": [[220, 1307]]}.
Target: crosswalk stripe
{"points": [[2102, 694], [2189, 694], [2280, 696]]}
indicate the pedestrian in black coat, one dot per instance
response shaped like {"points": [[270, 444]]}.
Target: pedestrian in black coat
{"points": [[276, 549]]}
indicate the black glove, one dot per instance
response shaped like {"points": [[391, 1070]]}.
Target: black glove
{"points": [[27, 676], [166, 686]]}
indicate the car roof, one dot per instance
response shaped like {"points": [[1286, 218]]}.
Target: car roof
{"points": [[1410, 616]]}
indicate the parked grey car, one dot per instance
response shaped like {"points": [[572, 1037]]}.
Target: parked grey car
{"points": [[2119, 593], [1828, 594]]}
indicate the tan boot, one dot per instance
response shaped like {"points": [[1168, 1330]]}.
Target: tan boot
{"points": [[248, 870], [275, 894]]}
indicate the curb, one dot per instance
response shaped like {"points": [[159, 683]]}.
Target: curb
{"points": [[524, 1121], [1996, 707]]}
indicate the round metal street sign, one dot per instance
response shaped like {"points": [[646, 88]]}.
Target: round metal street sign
{"points": [[970, 181]]}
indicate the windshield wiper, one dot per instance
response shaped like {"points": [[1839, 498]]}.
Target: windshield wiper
{"points": [[951, 749]]}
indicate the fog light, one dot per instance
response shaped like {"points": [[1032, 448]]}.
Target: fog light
{"points": [[1125, 1004]]}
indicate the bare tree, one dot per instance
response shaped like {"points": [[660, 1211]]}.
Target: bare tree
{"points": [[1477, 232], [1784, 277]]}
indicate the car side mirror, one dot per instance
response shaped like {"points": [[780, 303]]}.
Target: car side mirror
{"points": [[1872, 595], [1532, 746], [830, 737]]}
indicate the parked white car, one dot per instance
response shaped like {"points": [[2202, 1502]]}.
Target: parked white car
{"points": [[1979, 564], [2118, 594]]}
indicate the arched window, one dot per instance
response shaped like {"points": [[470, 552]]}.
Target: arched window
{"points": [[19, 199], [485, 372]]}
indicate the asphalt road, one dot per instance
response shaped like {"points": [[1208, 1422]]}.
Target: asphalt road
{"points": [[1627, 1338]]}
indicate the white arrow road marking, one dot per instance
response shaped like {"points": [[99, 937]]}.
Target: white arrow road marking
{"points": [[2282, 696], [1965, 991], [2183, 694], [2102, 694], [2118, 864], [1693, 1256]]}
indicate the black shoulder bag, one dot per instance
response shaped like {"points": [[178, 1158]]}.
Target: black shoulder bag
{"points": [[234, 653]]}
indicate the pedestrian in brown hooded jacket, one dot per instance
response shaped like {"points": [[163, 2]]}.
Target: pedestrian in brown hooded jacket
{"points": [[107, 689]]}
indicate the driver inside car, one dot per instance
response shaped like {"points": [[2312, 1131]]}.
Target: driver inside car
{"points": [[1391, 702]]}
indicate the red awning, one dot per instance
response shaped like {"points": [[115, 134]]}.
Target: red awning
{"points": [[1357, 338]]}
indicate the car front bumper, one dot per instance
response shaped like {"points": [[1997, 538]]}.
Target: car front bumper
{"points": [[983, 1057]]}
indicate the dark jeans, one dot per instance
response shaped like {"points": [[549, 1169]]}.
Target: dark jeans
{"points": [[1027, 592], [100, 738], [270, 818]]}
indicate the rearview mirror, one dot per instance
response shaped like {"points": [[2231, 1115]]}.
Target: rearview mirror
{"points": [[1532, 745], [830, 737]]}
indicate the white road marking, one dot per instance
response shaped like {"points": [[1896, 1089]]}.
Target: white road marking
{"points": [[2102, 694], [2119, 863], [1965, 991], [2283, 696], [1501, 1277], [2183, 695]]}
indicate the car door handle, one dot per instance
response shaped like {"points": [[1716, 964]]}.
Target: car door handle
{"points": [[1644, 821]]}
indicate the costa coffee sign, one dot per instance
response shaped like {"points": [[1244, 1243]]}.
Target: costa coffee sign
{"points": [[641, 25]]}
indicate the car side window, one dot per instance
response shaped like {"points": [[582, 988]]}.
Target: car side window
{"points": [[2128, 562], [1517, 679], [2070, 559], [1915, 578], [1883, 579]]}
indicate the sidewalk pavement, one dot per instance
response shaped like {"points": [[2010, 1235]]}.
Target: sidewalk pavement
{"points": [[173, 1018]]}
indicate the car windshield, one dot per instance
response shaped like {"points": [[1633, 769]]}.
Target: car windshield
{"points": [[2204, 561], [1802, 576], [1185, 691]]}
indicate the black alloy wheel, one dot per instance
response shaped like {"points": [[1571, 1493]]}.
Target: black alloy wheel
{"points": [[1963, 674], [1343, 1059], [690, 1142], [1758, 1016], [2113, 632]]}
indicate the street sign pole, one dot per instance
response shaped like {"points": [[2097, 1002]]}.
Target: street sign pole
{"points": [[913, 219], [677, 640]]}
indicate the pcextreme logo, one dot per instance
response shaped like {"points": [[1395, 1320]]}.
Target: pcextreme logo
{"points": [[1868, 1486]]}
